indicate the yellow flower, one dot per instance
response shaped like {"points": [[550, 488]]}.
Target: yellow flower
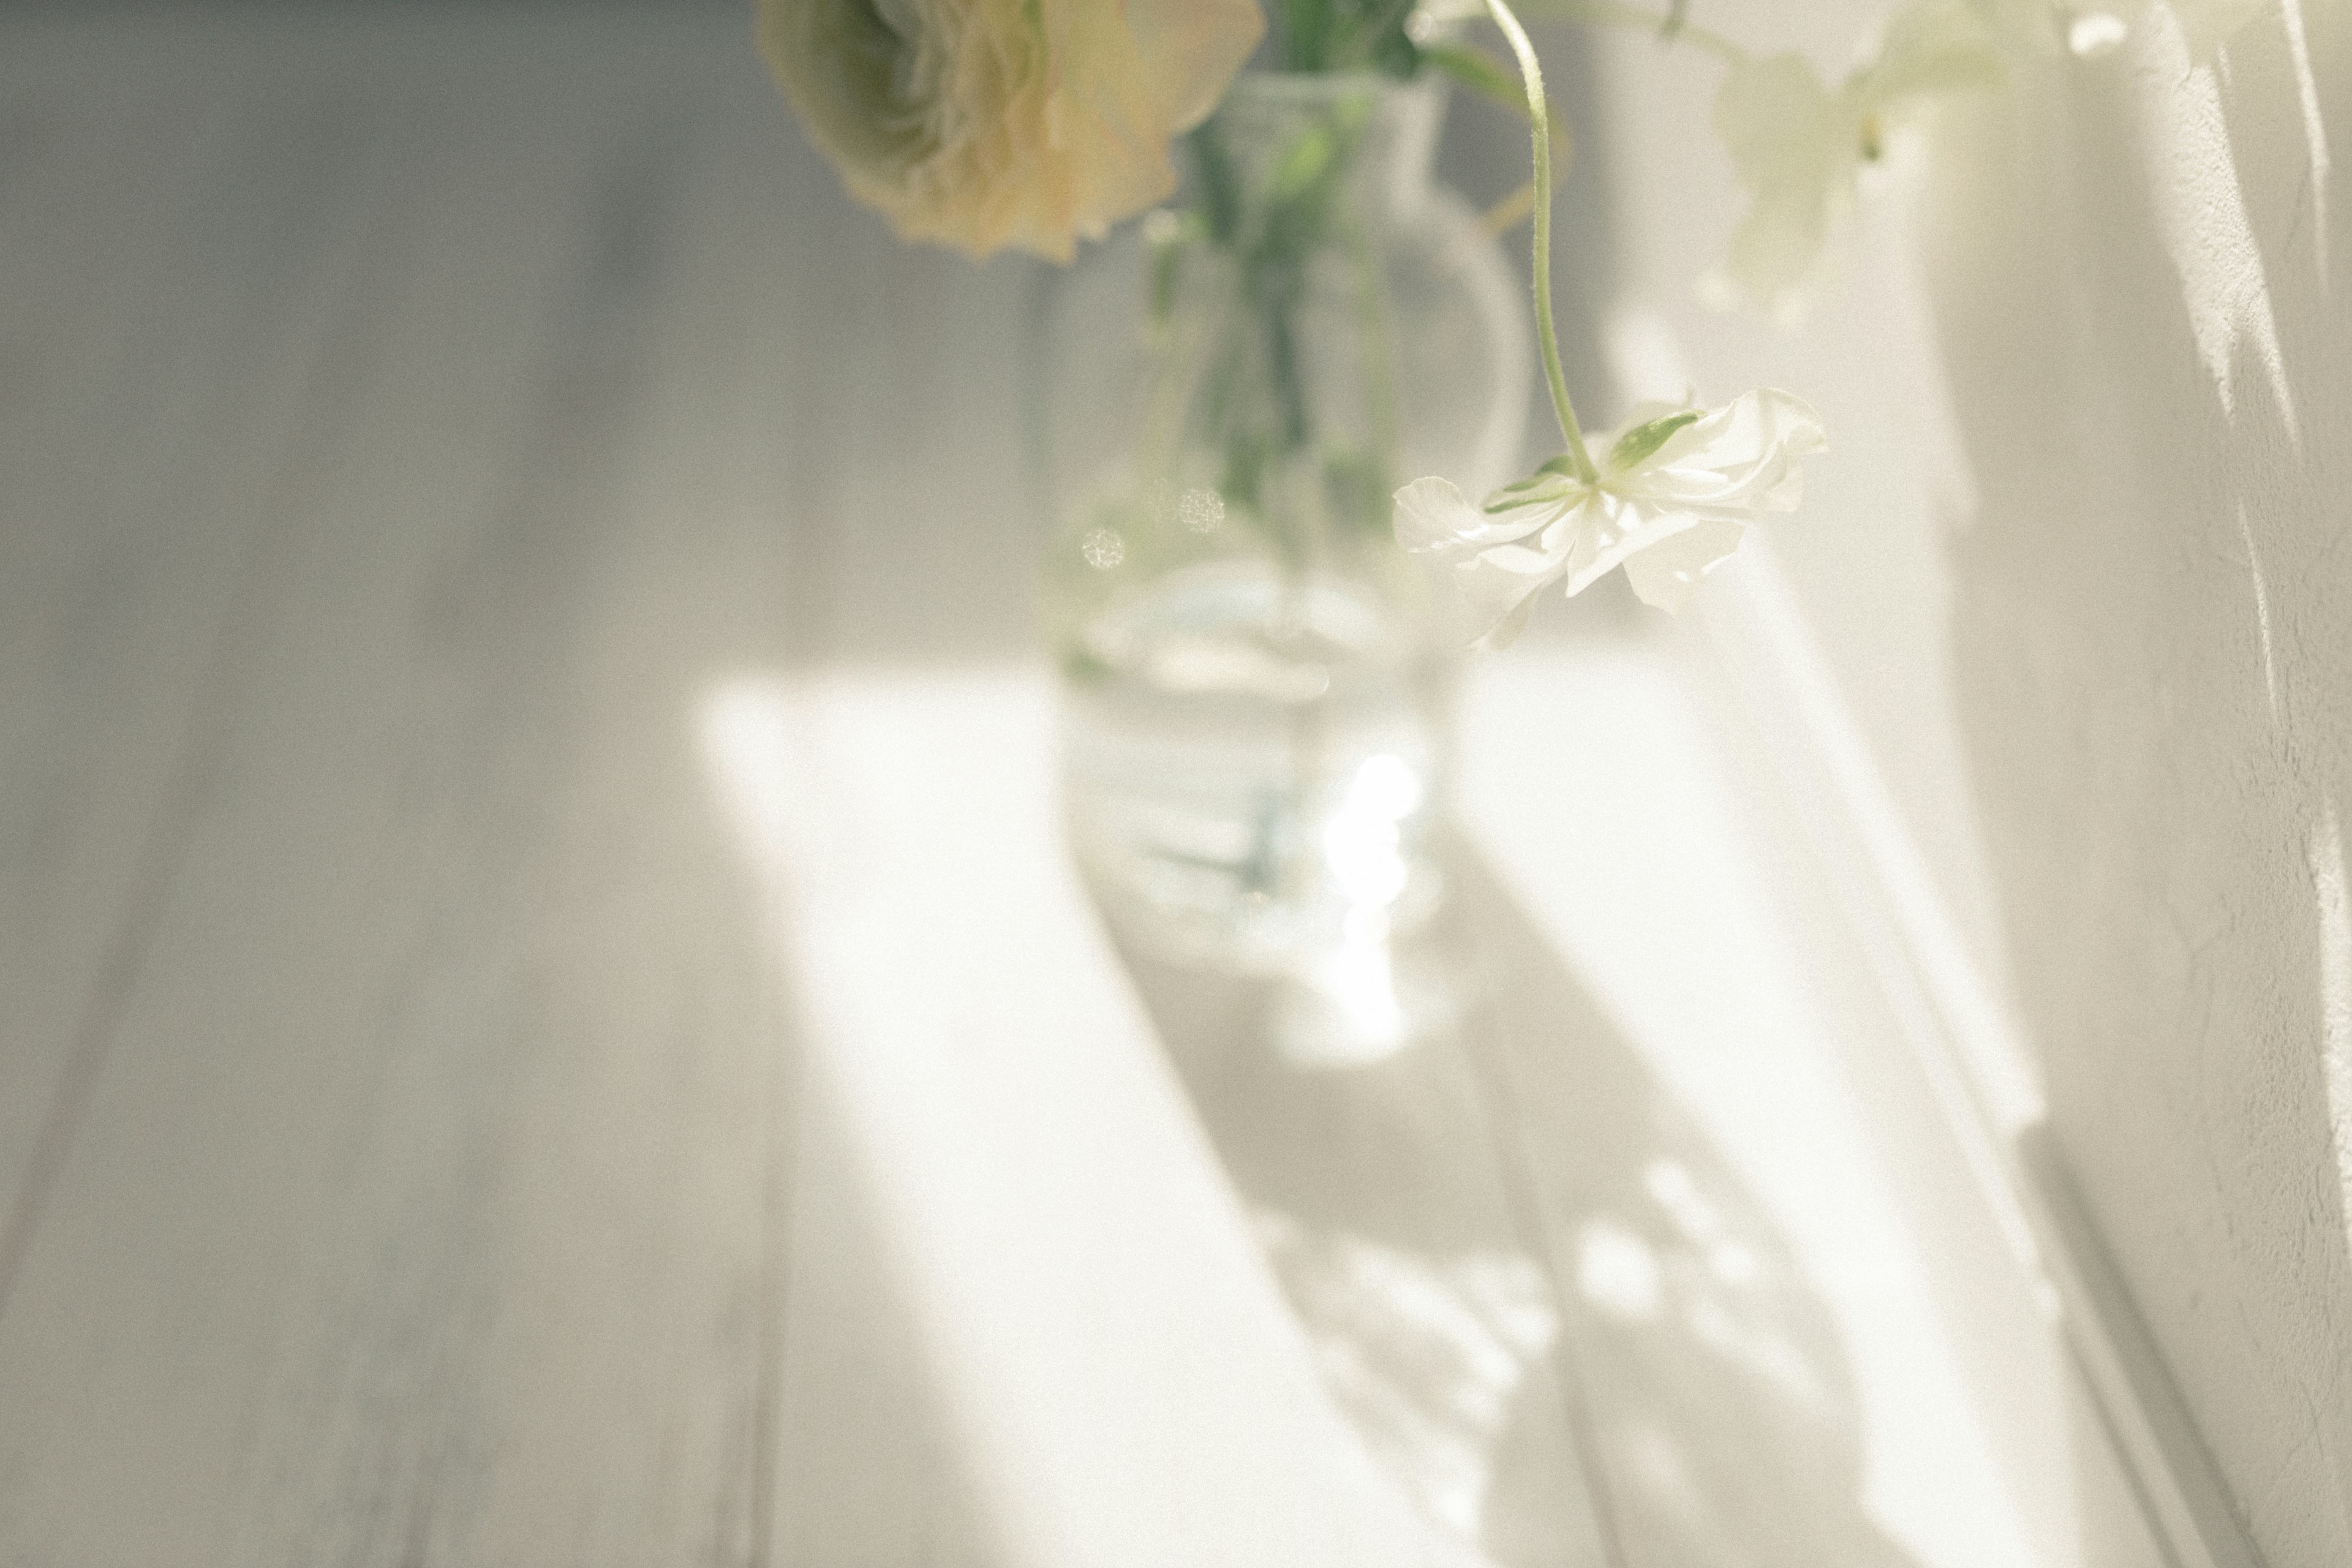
{"points": [[987, 123]]}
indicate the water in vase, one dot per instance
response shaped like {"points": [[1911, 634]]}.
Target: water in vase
{"points": [[1251, 765]]}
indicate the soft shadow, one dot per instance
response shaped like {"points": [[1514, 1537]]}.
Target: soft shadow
{"points": [[2148, 629], [1508, 1231]]}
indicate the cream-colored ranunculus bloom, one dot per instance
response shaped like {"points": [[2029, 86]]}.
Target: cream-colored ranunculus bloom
{"points": [[987, 123], [1677, 489], [1799, 147]]}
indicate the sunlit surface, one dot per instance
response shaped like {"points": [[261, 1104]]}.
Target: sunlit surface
{"points": [[481, 1084], [1104, 1351], [2193, 183], [2262, 612], [2314, 128], [1746, 1335], [2327, 875], [1665, 888], [1428, 1355]]}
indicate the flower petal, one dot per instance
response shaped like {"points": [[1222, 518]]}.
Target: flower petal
{"points": [[1432, 515], [1191, 48], [1617, 530], [1506, 632], [1795, 148], [1494, 590], [1667, 514], [1738, 460], [1936, 46], [1664, 576], [1486, 569], [986, 124]]}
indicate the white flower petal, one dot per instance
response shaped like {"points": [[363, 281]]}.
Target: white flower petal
{"points": [[1795, 147], [1495, 585], [1487, 568], [1667, 516], [1506, 632], [1938, 46], [1664, 576], [1737, 460], [1621, 529], [1432, 514]]}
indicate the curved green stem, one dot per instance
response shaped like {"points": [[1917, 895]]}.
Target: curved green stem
{"points": [[1539, 121]]}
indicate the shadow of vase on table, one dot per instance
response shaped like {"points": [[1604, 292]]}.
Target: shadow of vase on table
{"points": [[1507, 1230]]}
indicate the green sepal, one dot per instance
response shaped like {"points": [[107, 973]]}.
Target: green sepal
{"points": [[1539, 487], [1642, 440]]}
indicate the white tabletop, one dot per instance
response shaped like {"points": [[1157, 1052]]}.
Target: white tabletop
{"points": [[543, 1016]]}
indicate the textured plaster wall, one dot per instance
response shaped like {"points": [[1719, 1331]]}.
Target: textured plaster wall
{"points": [[2141, 270]]}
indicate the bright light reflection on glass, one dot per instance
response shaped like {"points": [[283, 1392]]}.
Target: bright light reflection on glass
{"points": [[1361, 840], [1348, 1008]]}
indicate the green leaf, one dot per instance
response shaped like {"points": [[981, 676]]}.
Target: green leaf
{"points": [[1642, 440]]}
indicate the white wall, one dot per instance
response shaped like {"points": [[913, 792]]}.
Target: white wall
{"points": [[2143, 286], [2080, 560]]}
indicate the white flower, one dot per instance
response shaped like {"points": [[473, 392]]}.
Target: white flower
{"points": [[987, 123], [1799, 147], [1677, 489]]}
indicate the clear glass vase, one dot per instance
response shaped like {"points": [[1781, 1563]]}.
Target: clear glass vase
{"points": [[1257, 721]]}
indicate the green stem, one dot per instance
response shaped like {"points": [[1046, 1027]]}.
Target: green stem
{"points": [[1539, 119], [1367, 36]]}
